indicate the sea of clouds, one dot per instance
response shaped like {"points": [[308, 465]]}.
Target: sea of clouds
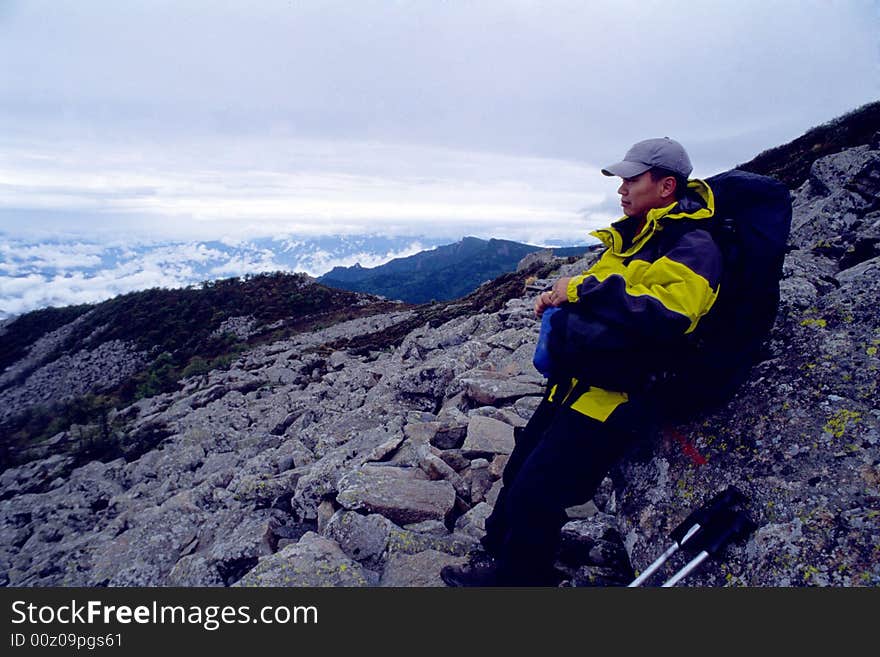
{"points": [[38, 274]]}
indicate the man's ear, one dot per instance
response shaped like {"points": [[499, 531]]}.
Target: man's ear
{"points": [[667, 187]]}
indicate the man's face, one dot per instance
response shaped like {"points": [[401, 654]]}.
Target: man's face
{"points": [[640, 194]]}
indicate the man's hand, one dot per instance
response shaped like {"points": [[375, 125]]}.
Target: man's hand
{"points": [[556, 296]]}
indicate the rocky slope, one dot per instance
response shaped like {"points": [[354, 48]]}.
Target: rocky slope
{"points": [[369, 452]]}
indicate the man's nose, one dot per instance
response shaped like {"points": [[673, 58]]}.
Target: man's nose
{"points": [[622, 189]]}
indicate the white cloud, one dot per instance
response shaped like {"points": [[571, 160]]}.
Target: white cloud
{"points": [[408, 190], [18, 285], [178, 254], [527, 77], [321, 261], [20, 257], [239, 265], [168, 266]]}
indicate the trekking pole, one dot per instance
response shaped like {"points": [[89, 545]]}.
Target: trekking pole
{"points": [[659, 561], [692, 527], [726, 527]]}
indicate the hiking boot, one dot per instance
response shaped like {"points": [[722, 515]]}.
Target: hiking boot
{"points": [[475, 573], [480, 555]]}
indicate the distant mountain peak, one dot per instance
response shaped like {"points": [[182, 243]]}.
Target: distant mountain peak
{"points": [[446, 272]]}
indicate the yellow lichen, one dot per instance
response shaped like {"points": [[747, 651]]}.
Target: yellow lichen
{"points": [[838, 423], [810, 572]]}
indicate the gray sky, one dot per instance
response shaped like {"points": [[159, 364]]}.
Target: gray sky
{"points": [[184, 118]]}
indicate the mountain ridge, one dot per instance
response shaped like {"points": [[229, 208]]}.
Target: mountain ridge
{"points": [[446, 272]]}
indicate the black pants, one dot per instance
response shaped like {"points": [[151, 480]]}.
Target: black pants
{"points": [[559, 460]]}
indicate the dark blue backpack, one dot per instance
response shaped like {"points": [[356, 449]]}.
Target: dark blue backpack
{"points": [[751, 226]]}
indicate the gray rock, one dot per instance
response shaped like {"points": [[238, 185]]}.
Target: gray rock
{"points": [[437, 469], [492, 495], [71, 375], [326, 510], [602, 576], [145, 554], [319, 480], [870, 269], [238, 540], [481, 481], [526, 406], [496, 467], [455, 459], [473, 523], [32, 477], [582, 511], [395, 494], [195, 570], [421, 433], [410, 542], [313, 561], [450, 435], [490, 390], [242, 327], [421, 569], [280, 375], [595, 528], [338, 359], [40, 351], [431, 527], [542, 256], [389, 447], [262, 490], [487, 436], [510, 339], [362, 538], [505, 415]]}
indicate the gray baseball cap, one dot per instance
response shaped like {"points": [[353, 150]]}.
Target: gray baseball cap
{"points": [[665, 153]]}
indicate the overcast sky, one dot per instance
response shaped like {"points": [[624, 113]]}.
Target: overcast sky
{"points": [[186, 119]]}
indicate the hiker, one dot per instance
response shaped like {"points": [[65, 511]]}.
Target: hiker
{"points": [[612, 329]]}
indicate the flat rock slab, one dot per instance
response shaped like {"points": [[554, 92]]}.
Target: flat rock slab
{"points": [[421, 569], [491, 391], [486, 435], [395, 494]]}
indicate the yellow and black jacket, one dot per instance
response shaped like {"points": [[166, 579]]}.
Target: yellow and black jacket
{"points": [[647, 292]]}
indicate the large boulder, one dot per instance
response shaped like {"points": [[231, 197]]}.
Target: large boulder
{"points": [[487, 436], [313, 561], [400, 494]]}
